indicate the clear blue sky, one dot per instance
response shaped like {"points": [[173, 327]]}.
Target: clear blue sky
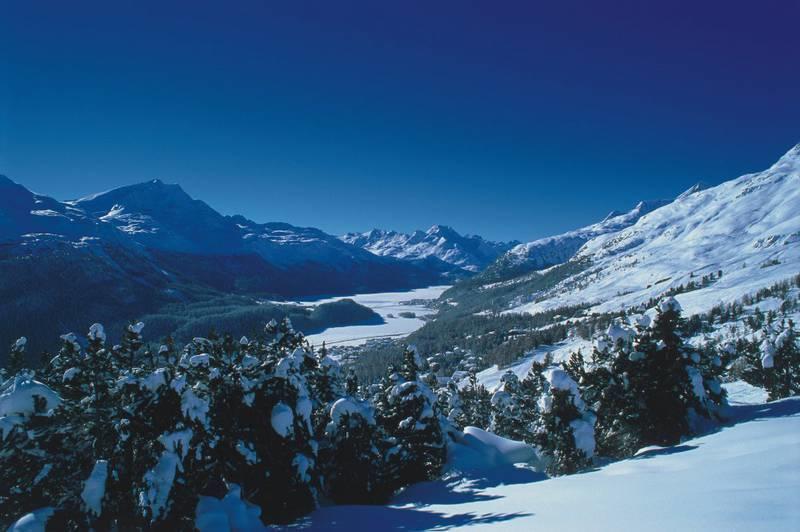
{"points": [[506, 119]]}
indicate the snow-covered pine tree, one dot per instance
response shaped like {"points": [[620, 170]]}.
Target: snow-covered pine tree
{"points": [[606, 390], [563, 427], [279, 471], [352, 460], [406, 412], [26, 414], [16, 359], [508, 419], [476, 404], [780, 362], [666, 383], [76, 441]]}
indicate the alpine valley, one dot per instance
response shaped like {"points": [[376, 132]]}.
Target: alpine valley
{"points": [[654, 351]]}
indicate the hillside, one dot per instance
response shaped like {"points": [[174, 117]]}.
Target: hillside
{"points": [[709, 245]]}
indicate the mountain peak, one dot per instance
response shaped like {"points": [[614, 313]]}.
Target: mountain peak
{"points": [[791, 158], [697, 187]]}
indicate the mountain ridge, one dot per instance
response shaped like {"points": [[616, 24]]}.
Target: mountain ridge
{"points": [[469, 253]]}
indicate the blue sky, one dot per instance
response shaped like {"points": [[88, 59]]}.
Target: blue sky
{"points": [[505, 119]]}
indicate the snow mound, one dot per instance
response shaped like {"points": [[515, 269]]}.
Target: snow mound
{"points": [[36, 521], [229, 514], [18, 398], [478, 449]]}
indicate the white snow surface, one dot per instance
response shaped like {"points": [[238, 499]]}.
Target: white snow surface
{"points": [[388, 305], [493, 450], [748, 227], [35, 521], [17, 396], [94, 489], [229, 514], [282, 419], [744, 477]]}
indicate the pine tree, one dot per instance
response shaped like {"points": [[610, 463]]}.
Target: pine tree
{"points": [[780, 360], [563, 428], [660, 392], [16, 358], [352, 459], [406, 413], [508, 418]]}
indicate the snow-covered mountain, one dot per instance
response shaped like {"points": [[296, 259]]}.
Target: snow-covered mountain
{"points": [[747, 228], [467, 252], [558, 249], [162, 222], [131, 250]]}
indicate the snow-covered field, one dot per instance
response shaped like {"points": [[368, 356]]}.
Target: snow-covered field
{"points": [[744, 477], [389, 305]]}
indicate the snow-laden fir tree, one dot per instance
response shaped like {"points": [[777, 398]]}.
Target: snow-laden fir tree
{"points": [[508, 418], [406, 412], [780, 361], [353, 456], [660, 391], [563, 427]]}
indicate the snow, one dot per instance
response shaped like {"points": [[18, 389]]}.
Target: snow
{"points": [[136, 328], [247, 452], [158, 483], [94, 489], [346, 406], [496, 450], [491, 378], [552, 250], [199, 360], [743, 477], [583, 432], [7, 424], [229, 514], [302, 464], [35, 521], [17, 398], [470, 253], [767, 354], [388, 305], [194, 407], [97, 332], [177, 442], [249, 361], [282, 419], [70, 374], [154, 380], [669, 304], [740, 392], [20, 343]]}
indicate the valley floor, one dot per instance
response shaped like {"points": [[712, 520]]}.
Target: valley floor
{"points": [[744, 477], [388, 305]]}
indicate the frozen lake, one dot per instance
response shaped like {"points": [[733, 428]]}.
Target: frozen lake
{"points": [[389, 305]]}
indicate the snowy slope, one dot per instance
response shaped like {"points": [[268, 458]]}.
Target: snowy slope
{"points": [[748, 227], [470, 253], [744, 477], [558, 249]]}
